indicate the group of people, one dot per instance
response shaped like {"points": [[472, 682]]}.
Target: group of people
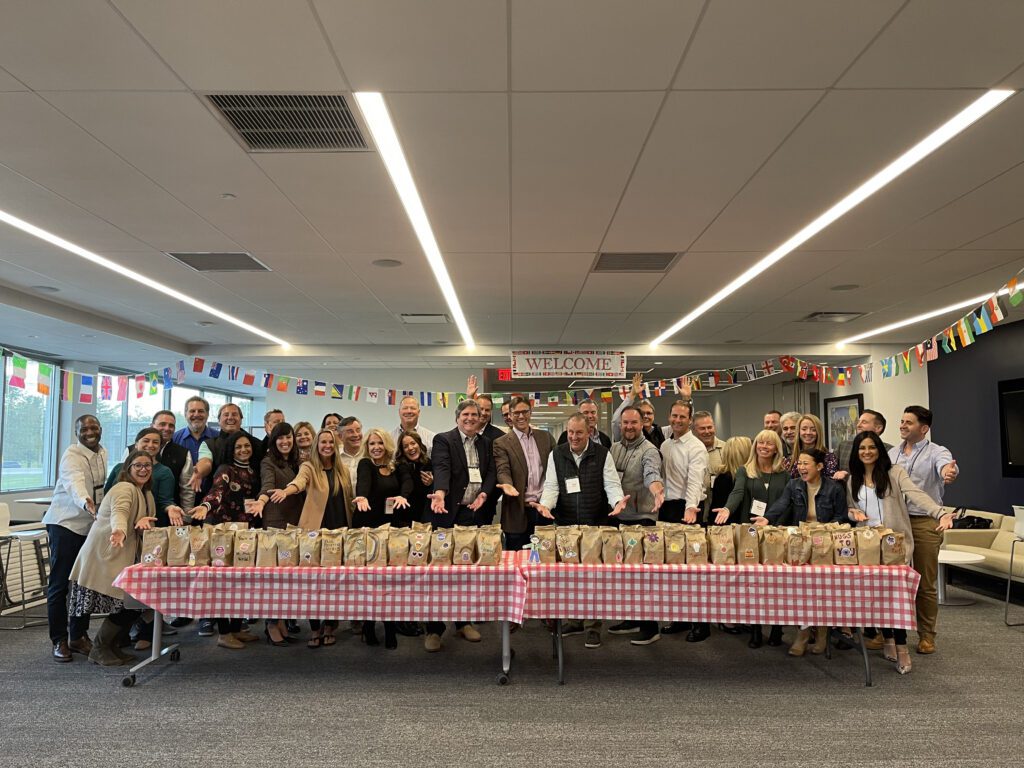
{"points": [[338, 476]]}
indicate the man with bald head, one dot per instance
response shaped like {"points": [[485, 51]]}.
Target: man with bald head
{"points": [[409, 421]]}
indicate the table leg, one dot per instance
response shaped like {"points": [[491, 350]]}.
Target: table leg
{"points": [[156, 651], [560, 652], [1009, 583], [506, 653], [944, 599], [864, 653]]}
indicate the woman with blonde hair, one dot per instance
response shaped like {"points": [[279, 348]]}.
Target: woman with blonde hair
{"points": [[328, 504], [305, 435], [810, 433], [735, 454]]}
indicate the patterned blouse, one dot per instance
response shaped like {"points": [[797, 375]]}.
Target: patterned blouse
{"points": [[232, 485]]}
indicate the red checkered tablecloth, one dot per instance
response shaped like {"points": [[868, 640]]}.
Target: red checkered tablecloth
{"points": [[865, 596], [454, 593]]}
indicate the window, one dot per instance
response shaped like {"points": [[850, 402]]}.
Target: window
{"points": [[26, 444], [216, 399], [245, 406], [141, 410], [179, 395], [112, 416]]}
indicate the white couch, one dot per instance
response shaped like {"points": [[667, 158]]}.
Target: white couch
{"points": [[993, 544]]}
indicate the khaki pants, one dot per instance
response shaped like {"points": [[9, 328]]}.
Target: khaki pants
{"points": [[927, 541]]}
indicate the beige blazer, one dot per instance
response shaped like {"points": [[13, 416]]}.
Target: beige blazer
{"points": [[315, 485], [894, 506], [99, 562], [510, 465]]}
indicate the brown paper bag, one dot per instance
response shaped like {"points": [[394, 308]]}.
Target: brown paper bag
{"points": [[332, 547], [310, 548], [798, 548], [721, 545], [246, 543], [377, 546], [632, 544], [675, 545], [773, 546], [287, 548], [222, 547], [355, 547], [567, 541], [199, 545], [154, 547], [590, 545], [231, 527], [419, 544], [654, 546], [821, 546], [612, 552], [546, 542], [869, 546], [464, 552], [178, 546], [398, 546], [748, 543], [844, 547], [442, 546], [266, 549], [488, 545], [697, 549], [893, 547]]}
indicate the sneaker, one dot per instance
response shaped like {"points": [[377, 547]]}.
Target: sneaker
{"points": [[432, 643], [646, 638], [592, 639], [624, 628], [230, 641], [469, 633], [168, 629], [181, 621], [206, 628], [570, 628]]}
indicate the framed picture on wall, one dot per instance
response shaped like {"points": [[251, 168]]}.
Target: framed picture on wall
{"points": [[841, 414]]}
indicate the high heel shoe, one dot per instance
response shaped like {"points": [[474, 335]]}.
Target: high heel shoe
{"points": [[370, 634], [390, 638], [729, 630], [272, 641], [756, 638], [775, 636], [889, 652], [903, 662]]}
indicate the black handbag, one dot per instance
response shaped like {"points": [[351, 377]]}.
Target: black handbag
{"points": [[963, 521]]}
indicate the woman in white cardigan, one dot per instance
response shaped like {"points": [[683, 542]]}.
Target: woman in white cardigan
{"points": [[877, 494]]}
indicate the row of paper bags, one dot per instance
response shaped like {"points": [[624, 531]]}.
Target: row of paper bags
{"points": [[234, 544], [673, 543]]}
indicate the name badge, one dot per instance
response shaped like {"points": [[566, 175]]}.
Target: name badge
{"points": [[474, 475], [572, 485], [389, 506], [758, 508]]}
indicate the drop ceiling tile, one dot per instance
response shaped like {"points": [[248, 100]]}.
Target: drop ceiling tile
{"points": [[694, 278], [537, 328], [548, 282], [10, 83], [782, 44], [590, 329], [615, 291], [482, 282]]}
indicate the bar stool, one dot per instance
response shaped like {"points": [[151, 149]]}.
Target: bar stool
{"points": [[19, 539]]}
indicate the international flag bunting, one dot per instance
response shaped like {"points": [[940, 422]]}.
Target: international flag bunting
{"points": [[153, 377], [354, 392], [167, 379], [658, 388], [553, 398], [282, 383], [197, 365], [840, 378], [801, 369], [66, 385], [963, 331], [392, 397], [904, 359], [249, 378], [919, 350], [712, 380], [948, 341], [1016, 296], [234, 372], [624, 390], [268, 380], [43, 379], [215, 369], [788, 363], [140, 386], [931, 349], [179, 376], [302, 386], [459, 397], [19, 365], [337, 391], [749, 370], [320, 388], [373, 396], [768, 366], [981, 321], [426, 399], [816, 373], [122, 388], [887, 367], [995, 310], [695, 384], [606, 395], [85, 389], [106, 388], [830, 377], [866, 372], [408, 393]]}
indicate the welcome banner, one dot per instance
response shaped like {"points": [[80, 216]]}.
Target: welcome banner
{"points": [[584, 364]]}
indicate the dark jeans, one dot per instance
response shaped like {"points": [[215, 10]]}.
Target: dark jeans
{"points": [[672, 511], [899, 635], [125, 618], [64, 548], [314, 624], [229, 626]]}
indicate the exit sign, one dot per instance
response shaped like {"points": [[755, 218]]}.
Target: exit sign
{"points": [[504, 374]]}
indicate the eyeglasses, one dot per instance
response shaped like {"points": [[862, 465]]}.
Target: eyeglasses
{"points": [[521, 413], [142, 467]]}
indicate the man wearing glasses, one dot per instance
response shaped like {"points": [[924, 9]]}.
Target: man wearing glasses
{"points": [[520, 458]]}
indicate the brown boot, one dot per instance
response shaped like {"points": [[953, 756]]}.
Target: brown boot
{"points": [[82, 645], [820, 641], [799, 646], [102, 652]]}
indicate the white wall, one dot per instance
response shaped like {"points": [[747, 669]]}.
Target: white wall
{"points": [[312, 409]]}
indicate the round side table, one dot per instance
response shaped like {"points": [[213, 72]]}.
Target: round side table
{"points": [[953, 557]]}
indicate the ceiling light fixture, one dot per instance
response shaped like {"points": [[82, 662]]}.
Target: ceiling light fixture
{"points": [[375, 112], [971, 114], [976, 301], [131, 274]]}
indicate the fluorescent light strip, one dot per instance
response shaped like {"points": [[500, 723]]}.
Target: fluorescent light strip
{"points": [[131, 274], [975, 302], [974, 112], [390, 148]]}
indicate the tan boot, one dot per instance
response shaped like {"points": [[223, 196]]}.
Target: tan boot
{"points": [[102, 652], [799, 646], [820, 641], [230, 641]]}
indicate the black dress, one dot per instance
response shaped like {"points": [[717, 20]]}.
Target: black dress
{"points": [[377, 488], [334, 512], [419, 504]]}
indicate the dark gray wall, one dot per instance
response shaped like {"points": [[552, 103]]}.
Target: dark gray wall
{"points": [[963, 396]]}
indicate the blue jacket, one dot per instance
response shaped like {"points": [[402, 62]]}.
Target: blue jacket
{"points": [[830, 505]]}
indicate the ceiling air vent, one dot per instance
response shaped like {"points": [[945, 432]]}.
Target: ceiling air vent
{"points": [[220, 262], [291, 122], [831, 317], [634, 262], [414, 319]]}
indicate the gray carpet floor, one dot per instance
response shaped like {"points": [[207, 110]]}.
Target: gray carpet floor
{"points": [[708, 704]]}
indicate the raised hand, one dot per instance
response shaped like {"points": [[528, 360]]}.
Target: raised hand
{"points": [[685, 389], [638, 385], [949, 472], [471, 386]]}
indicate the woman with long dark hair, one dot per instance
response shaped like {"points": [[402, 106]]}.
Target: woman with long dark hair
{"points": [[412, 458], [877, 493]]}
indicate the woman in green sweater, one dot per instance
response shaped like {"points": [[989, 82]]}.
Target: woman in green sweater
{"points": [[167, 512]]}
